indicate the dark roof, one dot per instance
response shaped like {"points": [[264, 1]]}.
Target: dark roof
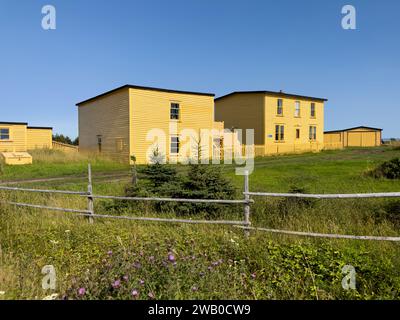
{"points": [[129, 86], [5, 122], [359, 127], [280, 94], [50, 128]]}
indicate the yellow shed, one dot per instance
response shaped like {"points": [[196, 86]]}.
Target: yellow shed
{"points": [[361, 136], [39, 138], [134, 120], [16, 138]]}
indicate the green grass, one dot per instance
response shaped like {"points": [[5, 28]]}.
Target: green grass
{"points": [[212, 262], [54, 163]]}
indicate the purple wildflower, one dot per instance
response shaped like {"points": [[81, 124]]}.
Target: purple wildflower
{"points": [[194, 288], [137, 265], [253, 275], [110, 253], [81, 291], [134, 293], [116, 284], [209, 268], [171, 257], [141, 282], [126, 278], [151, 258]]}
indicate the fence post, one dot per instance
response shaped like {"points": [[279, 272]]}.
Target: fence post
{"points": [[90, 194], [247, 204]]}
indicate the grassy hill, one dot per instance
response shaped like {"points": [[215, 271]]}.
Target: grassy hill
{"points": [[115, 259]]}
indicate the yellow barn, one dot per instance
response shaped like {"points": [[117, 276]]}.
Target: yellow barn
{"points": [[135, 120], [16, 138], [282, 122], [353, 137]]}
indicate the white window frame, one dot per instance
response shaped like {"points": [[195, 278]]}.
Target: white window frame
{"points": [[297, 109], [175, 106], [175, 144], [9, 134], [280, 133], [313, 110], [279, 107], [312, 133]]}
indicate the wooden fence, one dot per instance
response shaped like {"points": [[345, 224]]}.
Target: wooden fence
{"points": [[245, 224], [64, 147]]}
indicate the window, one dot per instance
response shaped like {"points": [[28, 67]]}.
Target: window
{"points": [[313, 133], [174, 113], [297, 109], [297, 133], [312, 110], [99, 143], [174, 144], [279, 133], [279, 110], [4, 134]]}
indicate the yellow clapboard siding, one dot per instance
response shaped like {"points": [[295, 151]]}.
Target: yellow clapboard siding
{"points": [[353, 137], [150, 109], [258, 111], [125, 117], [18, 138], [291, 123], [107, 118], [333, 140], [243, 111], [39, 138]]}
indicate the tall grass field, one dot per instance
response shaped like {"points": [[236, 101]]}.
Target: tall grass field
{"points": [[119, 259]]}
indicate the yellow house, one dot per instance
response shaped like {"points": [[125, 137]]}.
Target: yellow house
{"points": [[282, 122], [353, 137], [16, 138], [135, 120]]}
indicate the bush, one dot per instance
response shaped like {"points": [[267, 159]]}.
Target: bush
{"points": [[203, 182], [159, 174], [390, 212], [388, 169]]}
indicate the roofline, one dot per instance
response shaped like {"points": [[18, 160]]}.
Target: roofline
{"points": [[47, 128], [280, 94], [21, 123], [129, 86], [359, 127]]}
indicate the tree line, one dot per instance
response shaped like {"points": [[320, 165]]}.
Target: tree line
{"points": [[65, 139]]}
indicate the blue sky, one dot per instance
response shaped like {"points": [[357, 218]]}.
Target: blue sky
{"points": [[201, 45]]}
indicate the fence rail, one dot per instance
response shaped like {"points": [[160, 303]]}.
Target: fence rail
{"points": [[326, 196], [245, 224]]}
